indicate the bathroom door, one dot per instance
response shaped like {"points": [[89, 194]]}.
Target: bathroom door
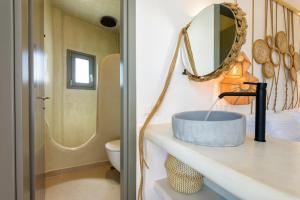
{"points": [[37, 128]]}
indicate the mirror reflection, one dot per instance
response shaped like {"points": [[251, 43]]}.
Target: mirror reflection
{"points": [[211, 36]]}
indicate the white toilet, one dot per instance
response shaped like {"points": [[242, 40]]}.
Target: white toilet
{"points": [[113, 153]]}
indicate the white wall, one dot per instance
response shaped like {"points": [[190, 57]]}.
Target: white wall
{"points": [[158, 26]]}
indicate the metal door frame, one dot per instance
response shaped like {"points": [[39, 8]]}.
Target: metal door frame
{"points": [[128, 87], [21, 99], [7, 101]]}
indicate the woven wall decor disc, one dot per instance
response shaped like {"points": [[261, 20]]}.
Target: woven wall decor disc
{"points": [[292, 50], [268, 70], [293, 74], [281, 42], [261, 51], [275, 57], [287, 60], [296, 59], [270, 42]]}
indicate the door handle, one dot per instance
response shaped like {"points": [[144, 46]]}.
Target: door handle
{"points": [[43, 98]]}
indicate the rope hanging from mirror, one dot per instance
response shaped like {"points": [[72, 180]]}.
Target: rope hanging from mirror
{"points": [[155, 108], [188, 48]]}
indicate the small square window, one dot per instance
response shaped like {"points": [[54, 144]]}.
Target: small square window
{"points": [[81, 71]]}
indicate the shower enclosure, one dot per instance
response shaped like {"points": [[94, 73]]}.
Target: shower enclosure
{"points": [[23, 99]]}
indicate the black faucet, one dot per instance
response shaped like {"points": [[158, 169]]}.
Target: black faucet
{"points": [[260, 111]]}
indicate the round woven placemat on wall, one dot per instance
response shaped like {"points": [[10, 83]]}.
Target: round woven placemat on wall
{"points": [[281, 42], [275, 57], [288, 60], [261, 51], [296, 59], [268, 70], [293, 74], [292, 50]]}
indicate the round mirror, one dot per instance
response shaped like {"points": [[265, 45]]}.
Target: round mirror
{"points": [[209, 40]]}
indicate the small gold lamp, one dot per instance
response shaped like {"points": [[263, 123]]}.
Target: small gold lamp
{"points": [[234, 78]]}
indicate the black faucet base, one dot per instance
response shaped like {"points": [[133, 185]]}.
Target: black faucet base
{"points": [[259, 140], [260, 112]]}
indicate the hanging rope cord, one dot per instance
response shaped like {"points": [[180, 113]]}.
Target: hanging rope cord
{"points": [[294, 83], [158, 103], [276, 76], [252, 57], [266, 34], [284, 68], [279, 65], [266, 30], [272, 32], [289, 42]]}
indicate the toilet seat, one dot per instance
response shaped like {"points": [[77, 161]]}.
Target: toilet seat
{"points": [[113, 145]]}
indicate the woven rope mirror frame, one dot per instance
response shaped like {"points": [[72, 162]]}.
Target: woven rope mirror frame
{"points": [[240, 39]]}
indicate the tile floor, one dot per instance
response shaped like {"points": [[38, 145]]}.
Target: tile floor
{"points": [[93, 183]]}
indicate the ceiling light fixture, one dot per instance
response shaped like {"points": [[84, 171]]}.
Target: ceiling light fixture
{"points": [[108, 21]]}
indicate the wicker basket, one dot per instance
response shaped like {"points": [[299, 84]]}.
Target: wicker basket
{"points": [[181, 177]]}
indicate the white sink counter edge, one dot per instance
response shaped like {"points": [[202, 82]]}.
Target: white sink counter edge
{"points": [[233, 181]]}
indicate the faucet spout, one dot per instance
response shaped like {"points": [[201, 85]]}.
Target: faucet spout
{"points": [[237, 94], [260, 111]]}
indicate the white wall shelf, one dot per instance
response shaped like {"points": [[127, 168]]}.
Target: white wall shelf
{"points": [[251, 171], [167, 193]]}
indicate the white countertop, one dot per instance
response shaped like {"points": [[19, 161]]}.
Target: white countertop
{"points": [[253, 170]]}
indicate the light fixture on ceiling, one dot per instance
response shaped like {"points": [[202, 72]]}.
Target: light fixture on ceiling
{"points": [[108, 21]]}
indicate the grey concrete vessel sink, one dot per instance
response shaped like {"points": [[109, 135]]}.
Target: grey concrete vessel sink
{"points": [[222, 129]]}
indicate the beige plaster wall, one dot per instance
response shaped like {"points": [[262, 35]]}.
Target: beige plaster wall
{"points": [[109, 100], [48, 62], [72, 118], [78, 120]]}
